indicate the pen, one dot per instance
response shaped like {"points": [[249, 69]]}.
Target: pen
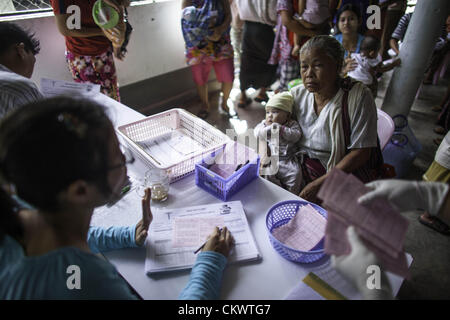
{"points": [[241, 165], [126, 189], [201, 247]]}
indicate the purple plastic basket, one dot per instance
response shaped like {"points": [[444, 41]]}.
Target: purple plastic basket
{"points": [[279, 215], [222, 188]]}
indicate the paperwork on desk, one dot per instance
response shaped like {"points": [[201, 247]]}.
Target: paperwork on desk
{"points": [[325, 283], [175, 234], [50, 88], [170, 148], [304, 231], [231, 159], [381, 227]]}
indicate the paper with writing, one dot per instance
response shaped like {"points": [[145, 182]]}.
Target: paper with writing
{"points": [[163, 256], [382, 228], [190, 232], [304, 231], [50, 87]]}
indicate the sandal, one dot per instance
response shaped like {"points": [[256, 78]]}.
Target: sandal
{"points": [[224, 112], [439, 130], [436, 224], [243, 105], [437, 141], [259, 99], [203, 114]]}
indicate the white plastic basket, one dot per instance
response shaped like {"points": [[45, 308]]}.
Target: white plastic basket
{"points": [[205, 137]]}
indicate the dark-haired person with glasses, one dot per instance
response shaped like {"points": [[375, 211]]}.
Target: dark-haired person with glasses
{"points": [[17, 58], [63, 158]]}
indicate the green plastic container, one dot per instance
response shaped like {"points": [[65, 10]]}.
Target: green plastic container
{"points": [[104, 15], [294, 83]]}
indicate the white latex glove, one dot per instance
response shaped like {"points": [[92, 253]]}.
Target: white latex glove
{"points": [[408, 195], [354, 267]]}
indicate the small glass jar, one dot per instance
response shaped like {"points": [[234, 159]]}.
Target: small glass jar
{"points": [[158, 181]]}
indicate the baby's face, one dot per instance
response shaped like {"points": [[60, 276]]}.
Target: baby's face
{"points": [[274, 115]]}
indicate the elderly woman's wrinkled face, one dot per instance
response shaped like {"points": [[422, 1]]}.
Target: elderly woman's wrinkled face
{"points": [[348, 22], [319, 70]]}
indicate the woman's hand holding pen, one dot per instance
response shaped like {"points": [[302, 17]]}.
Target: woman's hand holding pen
{"points": [[220, 241], [147, 217]]}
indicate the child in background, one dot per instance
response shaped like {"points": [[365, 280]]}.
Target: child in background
{"points": [[278, 117], [312, 14], [370, 63]]}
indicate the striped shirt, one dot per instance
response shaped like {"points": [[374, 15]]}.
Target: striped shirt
{"points": [[15, 91], [402, 26]]}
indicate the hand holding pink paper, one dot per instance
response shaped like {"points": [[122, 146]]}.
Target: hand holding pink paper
{"points": [[381, 228]]}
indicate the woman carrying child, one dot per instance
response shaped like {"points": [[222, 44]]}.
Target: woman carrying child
{"points": [[312, 14], [322, 104], [206, 31], [370, 63], [284, 42]]}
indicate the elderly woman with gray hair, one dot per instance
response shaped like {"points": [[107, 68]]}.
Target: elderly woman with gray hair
{"points": [[338, 118]]}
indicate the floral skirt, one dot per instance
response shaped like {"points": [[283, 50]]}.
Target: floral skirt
{"points": [[95, 69]]}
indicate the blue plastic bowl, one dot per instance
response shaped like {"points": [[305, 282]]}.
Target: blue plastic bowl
{"points": [[280, 214]]}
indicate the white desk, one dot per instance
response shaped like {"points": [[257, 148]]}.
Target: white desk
{"points": [[273, 277]]}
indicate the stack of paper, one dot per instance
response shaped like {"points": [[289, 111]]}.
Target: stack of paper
{"points": [[175, 234], [192, 232], [50, 88], [233, 157], [381, 228], [304, 231], [170, 148]]}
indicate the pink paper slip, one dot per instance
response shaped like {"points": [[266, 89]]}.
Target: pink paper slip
{"points": [[235, 154], [304, 231], [381, 227], [223, 170], [192, 232]]}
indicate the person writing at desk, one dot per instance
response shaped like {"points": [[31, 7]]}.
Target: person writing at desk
{"points": [[78, 142], [404, 196]]}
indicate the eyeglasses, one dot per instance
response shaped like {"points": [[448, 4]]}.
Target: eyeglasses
{"points": [[128, 156]]}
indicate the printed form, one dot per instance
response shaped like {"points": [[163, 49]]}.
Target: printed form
{"points": [[175, 234], [51, 87], [304, 231], [170, 148]]}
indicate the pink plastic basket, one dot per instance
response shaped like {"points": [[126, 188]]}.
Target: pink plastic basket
{"points": [[164, 123]]}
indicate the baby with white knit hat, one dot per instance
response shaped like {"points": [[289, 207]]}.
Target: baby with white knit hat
{"points": [[278, 117]]}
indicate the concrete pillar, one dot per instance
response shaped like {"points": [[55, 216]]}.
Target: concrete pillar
{"points": [[423, 30]]}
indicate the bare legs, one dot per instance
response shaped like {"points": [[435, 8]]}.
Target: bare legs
{"points": [[202, 91], [226, 89]]}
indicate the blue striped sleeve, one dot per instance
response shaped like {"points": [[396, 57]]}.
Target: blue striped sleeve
{"points": [[105, 239], [402, 26], [206, 277]]}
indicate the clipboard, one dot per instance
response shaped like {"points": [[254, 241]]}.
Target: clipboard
{"points": [[165, 254]]}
